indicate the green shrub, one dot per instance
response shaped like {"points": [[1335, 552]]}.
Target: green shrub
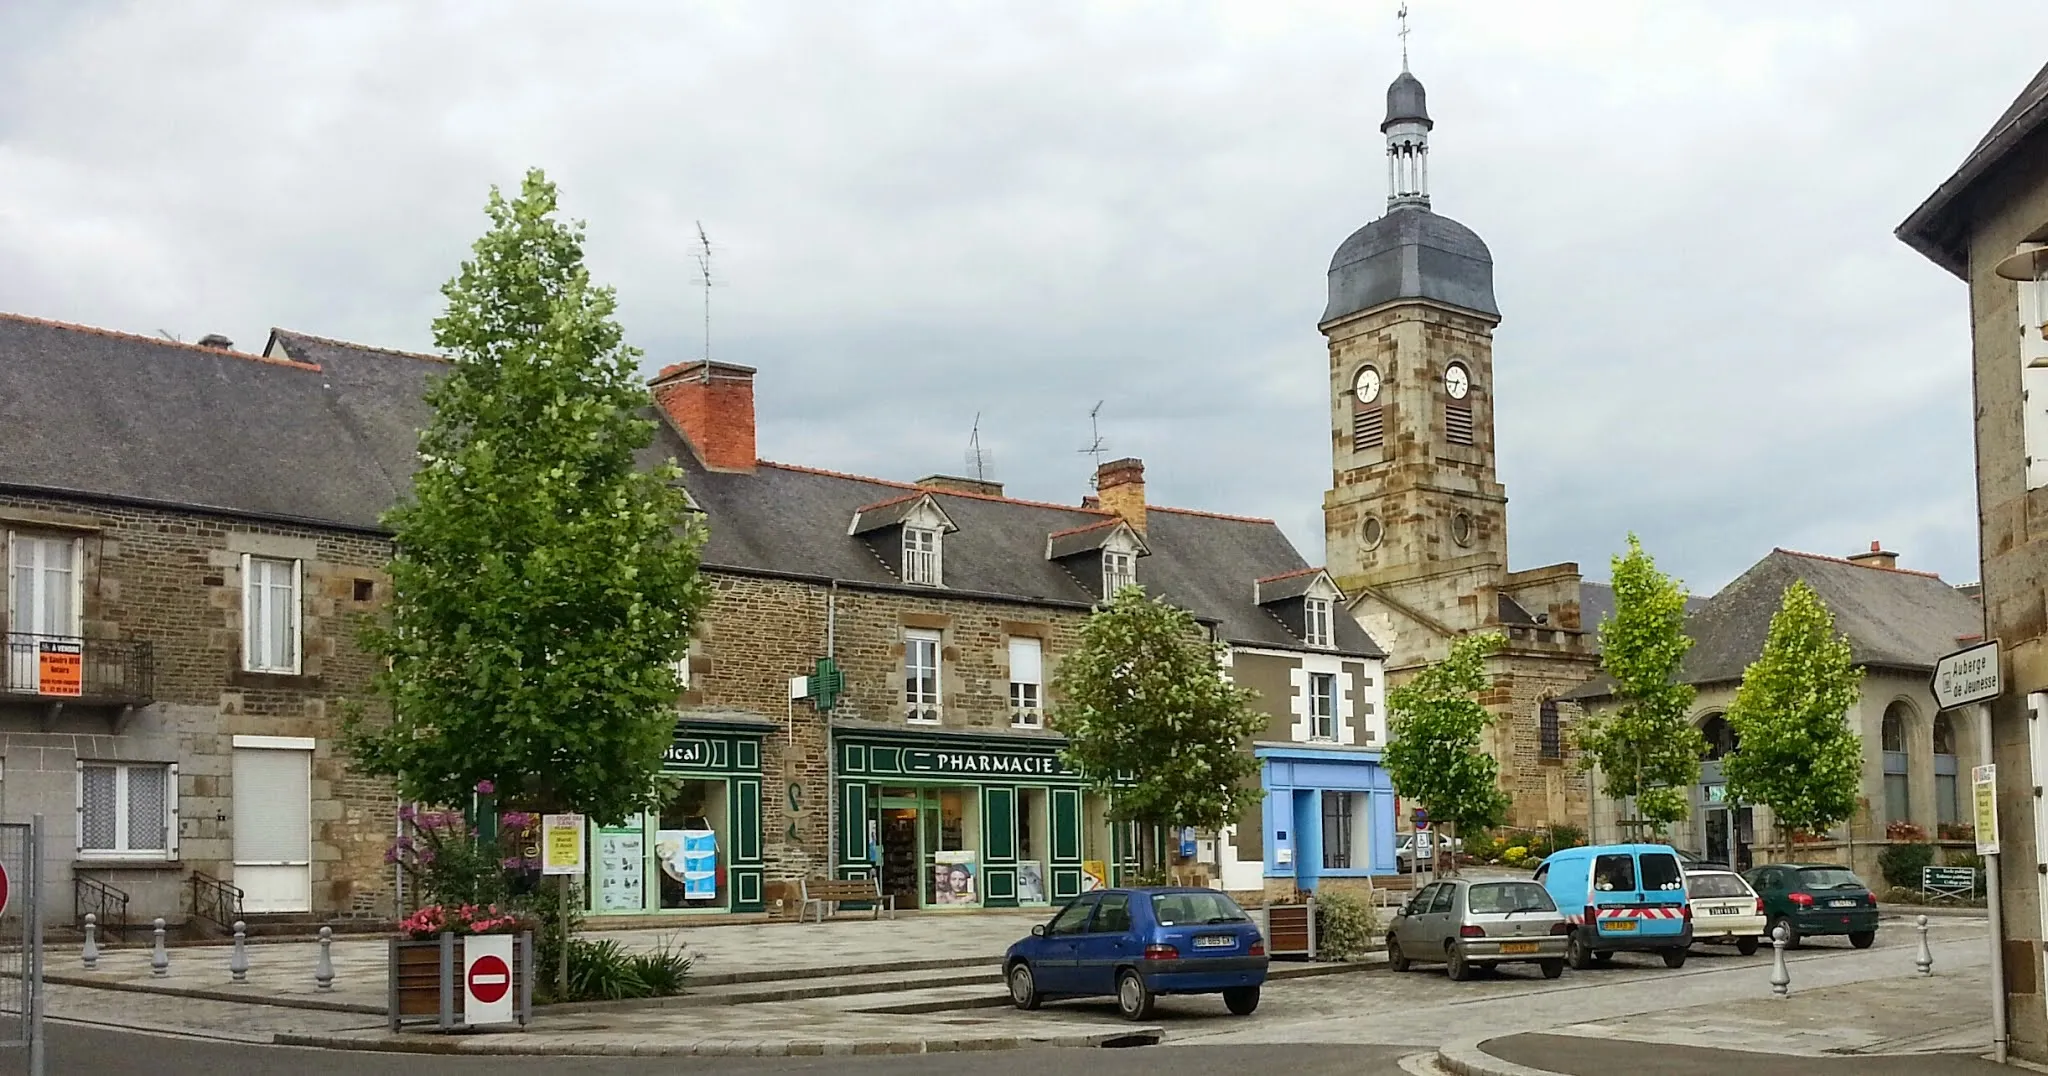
{"points": [[1900, 863], [663, 971], [1957, 857], [604, 970], [1345, 924], [1484, 847], [1513, 857], [1566, 837]]}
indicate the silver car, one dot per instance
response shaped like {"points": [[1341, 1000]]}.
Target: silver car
{"points": [[1472, 923]]}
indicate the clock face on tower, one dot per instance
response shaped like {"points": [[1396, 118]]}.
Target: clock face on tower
{"points": [[1457, 381], [1367, 384]]}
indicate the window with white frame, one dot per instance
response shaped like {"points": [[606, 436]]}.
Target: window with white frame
{"points": [[921, 676], [1119, 570], [270, 615], [1316, 622], [921, 556], [1027, 681], [683, 671], [127, 810], [1322, 706]]}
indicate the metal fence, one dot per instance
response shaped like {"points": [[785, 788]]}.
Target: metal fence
{"points": [[21, 940]]}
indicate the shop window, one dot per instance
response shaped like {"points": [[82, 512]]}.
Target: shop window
{"points": [[1337, 819], [1322, 706], [691, 845], [1027, 686], [921, 676], [955, 843], [127, 810]]}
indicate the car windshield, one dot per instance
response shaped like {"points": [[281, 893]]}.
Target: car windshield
{"points": [[1716, 885], [1181, 909], [1500, 898], [1829, 878]]}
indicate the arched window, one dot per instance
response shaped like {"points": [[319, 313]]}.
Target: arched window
{"points": [[1720, 737], [1898, 804], [1948, 806]]}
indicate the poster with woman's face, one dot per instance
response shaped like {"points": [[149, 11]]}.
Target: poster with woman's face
{"points": [[953, 878]]}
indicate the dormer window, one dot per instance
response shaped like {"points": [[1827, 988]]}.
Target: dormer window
{"points": [[1119, 570], [1316, 623], [921, 556]]}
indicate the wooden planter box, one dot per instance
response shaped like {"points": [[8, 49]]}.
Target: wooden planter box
{"points": [[426, 988], [1291, 929]]}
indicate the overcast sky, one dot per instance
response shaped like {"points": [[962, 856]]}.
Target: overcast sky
{"points": [[925, 211]]}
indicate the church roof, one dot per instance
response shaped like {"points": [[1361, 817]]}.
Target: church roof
{"points": [[1411, 253]]}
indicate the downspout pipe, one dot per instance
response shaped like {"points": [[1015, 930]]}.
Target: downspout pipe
{"points": [[833, 839]]}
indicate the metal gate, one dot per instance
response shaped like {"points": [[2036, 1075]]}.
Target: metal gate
{"points": [[21, 939]]}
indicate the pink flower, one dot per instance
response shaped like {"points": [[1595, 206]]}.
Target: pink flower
{"points": [[485, 787]]}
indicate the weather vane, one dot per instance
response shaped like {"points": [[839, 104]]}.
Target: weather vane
{"points": [[1403, 16]]}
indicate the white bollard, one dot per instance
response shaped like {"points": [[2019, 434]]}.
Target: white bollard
{"points": [[238, 961], [1781, 979], [323, 971], [159, 960], [1925, 961], [91, 953]]}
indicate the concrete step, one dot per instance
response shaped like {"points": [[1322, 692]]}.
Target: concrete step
{"points": [[753, 993], [977, 996]]}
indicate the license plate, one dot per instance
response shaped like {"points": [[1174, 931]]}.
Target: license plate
{"points": [[1724, 911], [1518, 947], [1617, 924], [1216, 942], [1841, 904]]}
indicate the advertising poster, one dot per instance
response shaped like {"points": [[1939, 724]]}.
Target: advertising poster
{"points": [[1031, 882], [953, 878], [1094, 875], [621, 863], [561, 844]]}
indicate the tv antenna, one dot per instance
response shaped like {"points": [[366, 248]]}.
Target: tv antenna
{"points": [[703, 257], [168, 335], [978, 462], [1096, 447]]}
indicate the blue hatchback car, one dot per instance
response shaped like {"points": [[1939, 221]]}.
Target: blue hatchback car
{"points": [[1137, 944]]}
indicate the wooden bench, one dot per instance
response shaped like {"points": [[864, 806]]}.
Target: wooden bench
{"points": [[837, 891]]}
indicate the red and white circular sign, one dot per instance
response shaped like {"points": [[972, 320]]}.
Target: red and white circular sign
{"points": [[489, 979], [6, 888]]}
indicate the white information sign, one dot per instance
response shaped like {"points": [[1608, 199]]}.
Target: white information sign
{"points": [[1984, 804], [1967, 676], [561, 844], [487, 979]]}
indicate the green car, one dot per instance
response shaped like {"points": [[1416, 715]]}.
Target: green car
{"points": [[1813, 899]]}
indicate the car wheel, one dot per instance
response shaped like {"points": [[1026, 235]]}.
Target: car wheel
{"points": [[1133, 998], [1862, 939], [1396, 959], [1791, 932], [1746, 946], [1241, 1000], [1575, 952], [1675, 958], [1024, 987], [1455, 964], [1551, 968]]}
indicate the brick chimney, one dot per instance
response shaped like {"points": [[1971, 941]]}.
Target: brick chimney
{"points": [[1877, 557], [713, 403], [1120, 487]]}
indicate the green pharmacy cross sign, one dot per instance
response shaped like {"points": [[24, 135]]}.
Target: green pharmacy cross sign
{"points": [[827, 683]]}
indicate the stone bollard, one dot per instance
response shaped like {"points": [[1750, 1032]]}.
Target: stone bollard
{"points": [[159, 960], [1781, 979], [238, 961], [323, 971], [1925, 961], [91, 953]]}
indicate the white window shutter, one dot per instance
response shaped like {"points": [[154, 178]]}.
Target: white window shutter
{"points": [[78, 587], [296, 622], [171, 813], [251, 656], [1026, 661], [78, 795]]}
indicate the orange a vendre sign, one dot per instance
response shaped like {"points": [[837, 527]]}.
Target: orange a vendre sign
{"points": [[60, 668]]}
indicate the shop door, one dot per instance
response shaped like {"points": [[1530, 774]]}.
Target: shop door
{"points": [[1718, 844], [902, 863], [273, 828]]}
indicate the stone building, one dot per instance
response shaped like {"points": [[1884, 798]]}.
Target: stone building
{"points": [[1415, 522], [943, 607], [1898, 622], [192, 544], [1988, 225]]}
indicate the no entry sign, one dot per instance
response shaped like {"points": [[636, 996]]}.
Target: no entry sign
{"points": [[487, 979], [6, 888]]}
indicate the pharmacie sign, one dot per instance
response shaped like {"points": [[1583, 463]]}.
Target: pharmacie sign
{"points": [[687, 752], [993, 763]]}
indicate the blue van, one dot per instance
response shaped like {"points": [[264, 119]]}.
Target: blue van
{"points": [[1620, 898]]}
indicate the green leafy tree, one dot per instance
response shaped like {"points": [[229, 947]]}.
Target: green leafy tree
{"points": [[1151, 720], [1647, 750], [1433, 750], [1795, 753], [543, 585]]}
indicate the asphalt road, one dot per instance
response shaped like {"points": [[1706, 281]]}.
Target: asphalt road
{"points": [[94, 1051], [1578, 1056]]}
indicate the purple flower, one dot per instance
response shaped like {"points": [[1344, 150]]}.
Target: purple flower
{"points": [[391, 855], [517, 819], [407, 813], [485, 787], [511, 864]]}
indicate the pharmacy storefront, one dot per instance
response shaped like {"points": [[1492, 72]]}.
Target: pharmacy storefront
{"points": [[965, 821], [701, 852]]}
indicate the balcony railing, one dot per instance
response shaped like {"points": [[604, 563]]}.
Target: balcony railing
{"points": [[72, 668]]}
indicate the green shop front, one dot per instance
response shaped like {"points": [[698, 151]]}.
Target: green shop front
{"points": [[700, 853], [963, 821]]}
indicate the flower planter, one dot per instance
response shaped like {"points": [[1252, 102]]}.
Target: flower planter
{"points": [[1291, 929], [427, 989]]}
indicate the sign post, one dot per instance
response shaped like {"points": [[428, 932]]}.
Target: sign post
{"points": [[1971, 677], [561, 854]]}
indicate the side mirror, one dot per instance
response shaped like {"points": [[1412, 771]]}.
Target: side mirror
{"points": [[1038, 930]]}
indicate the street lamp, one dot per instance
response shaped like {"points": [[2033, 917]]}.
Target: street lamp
{"points": [[2029, 266]]}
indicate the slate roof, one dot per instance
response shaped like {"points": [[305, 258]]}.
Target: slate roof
{"points": [[100, 414], [1596, 603], [1936, 229], [1895, 619], [1411, 253]]}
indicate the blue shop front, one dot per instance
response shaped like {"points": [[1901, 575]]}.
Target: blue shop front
{"points": [[1329, 813]]}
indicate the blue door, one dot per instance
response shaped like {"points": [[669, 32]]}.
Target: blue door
{"points": [[1054, 964], [1108, 944]]}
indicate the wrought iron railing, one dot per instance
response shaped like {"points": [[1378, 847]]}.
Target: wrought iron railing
{"points": [[107, 905], [215, 901], [85, 668]]}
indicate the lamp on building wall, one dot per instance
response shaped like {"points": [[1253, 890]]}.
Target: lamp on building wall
{"points": [[2029, 266]]}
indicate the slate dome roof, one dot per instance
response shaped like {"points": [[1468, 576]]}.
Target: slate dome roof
{"points": [[1411, 253], [1406, 101]]}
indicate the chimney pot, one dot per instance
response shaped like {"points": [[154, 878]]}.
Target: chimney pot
{"points": [[713, 404], [217, 342], [1120, 486], [1877, 557]]}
